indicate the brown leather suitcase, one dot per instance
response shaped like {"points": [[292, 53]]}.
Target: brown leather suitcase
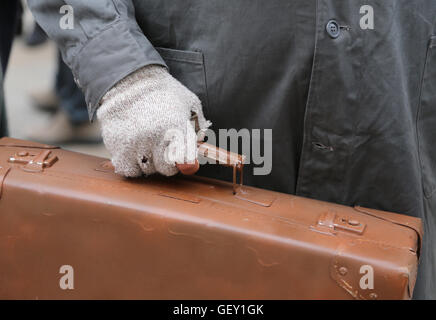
{"points": [[185, 237]]}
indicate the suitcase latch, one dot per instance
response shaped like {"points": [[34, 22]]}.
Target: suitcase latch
{"points": [[34, 162], [330, 222]]}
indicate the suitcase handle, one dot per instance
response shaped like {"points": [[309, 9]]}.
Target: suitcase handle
{"points": [[221, 156], [224, 158]]}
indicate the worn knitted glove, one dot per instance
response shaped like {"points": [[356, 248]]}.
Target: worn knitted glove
{"points": [[145, 120]]}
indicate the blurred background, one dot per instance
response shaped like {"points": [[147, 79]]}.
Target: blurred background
{"points": [[42, 101]]}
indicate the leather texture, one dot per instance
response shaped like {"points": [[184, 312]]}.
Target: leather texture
{"points": [[185, 237]]}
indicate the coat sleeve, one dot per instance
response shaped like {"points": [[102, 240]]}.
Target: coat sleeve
{"points": [[99, 40]]}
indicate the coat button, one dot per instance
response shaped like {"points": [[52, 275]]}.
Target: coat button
{"points": [[333, 29]]}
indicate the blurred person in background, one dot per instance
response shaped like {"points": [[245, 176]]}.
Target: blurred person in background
{"points": [[70, 121], [8, 26], [65, 101]]}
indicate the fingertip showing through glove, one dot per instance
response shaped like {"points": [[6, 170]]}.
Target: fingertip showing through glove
{"points": [[188, 168], [145, 120]]}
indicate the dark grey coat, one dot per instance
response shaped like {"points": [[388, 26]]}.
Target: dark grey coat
{"points": [[353, 114]]}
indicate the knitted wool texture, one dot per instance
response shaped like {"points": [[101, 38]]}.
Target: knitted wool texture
{"points": [[145, 121]]}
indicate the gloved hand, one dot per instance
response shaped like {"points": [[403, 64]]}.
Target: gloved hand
{"points": [[145, 120]]}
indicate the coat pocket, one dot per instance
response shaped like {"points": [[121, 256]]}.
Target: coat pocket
{"points": [[188, 68], [426, 121]]}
